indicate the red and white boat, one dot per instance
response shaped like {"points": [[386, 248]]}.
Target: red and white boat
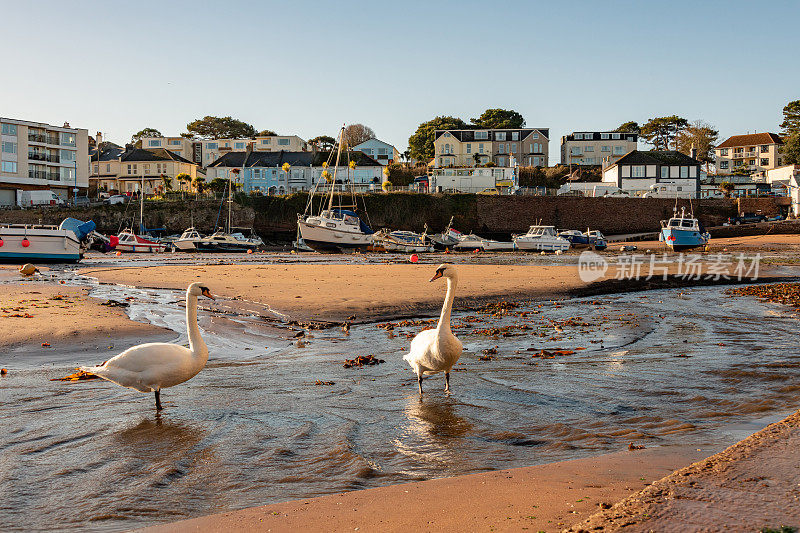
{"points": [[130, 242]]}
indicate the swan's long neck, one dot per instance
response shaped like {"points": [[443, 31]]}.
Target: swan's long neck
{"points": [[196, 344], [444, 318]]}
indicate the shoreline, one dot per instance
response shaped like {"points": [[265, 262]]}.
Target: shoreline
{"points": [[546, 497]]}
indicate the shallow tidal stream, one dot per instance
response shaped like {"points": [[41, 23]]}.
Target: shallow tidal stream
{"points": [[673, 367]]}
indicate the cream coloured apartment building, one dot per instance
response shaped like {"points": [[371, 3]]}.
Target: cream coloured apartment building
{"points": [[34, 155], [596, 147], [756, 152], [504, 147], [121, 171], [206, 151]]}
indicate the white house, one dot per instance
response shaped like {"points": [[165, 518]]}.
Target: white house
{"points": [[382, 152], [655, 173]]}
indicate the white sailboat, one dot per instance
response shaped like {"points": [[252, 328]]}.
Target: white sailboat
{"points": [[335, 228]]}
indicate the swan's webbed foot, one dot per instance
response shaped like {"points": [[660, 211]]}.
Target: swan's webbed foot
{"points": [[158, 400], [447, 381], [419, 382]]}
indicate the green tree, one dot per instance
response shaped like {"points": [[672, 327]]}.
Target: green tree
{"points": [[700, 136], [791, 117], [727, 188], [499, 118], [182, 178], [791, 149], [147, 132], [662, 131], [199, 185], [323, 143], [167, 181], [266, 133], [628, 127], [218, 186], [420, 144], [220, 128]]}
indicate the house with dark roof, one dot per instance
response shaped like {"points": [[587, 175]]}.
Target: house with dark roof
{"points": [[115, 169], [383, 152], [504, 147], [264, 171], [745, 154], [590, 148], [663, 172]]}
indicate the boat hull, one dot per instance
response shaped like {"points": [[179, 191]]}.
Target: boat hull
{"points": [[141, 248], [541, 245], [45, 246], [326, 240], [679, 240]]}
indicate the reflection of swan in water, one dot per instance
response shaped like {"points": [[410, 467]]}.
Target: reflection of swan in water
{"points": [[162, 445], [436, 420]]}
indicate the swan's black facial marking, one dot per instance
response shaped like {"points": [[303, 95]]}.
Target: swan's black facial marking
{"points": [[439, 273], [207, 293]]}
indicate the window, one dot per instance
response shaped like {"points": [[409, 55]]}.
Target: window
{"points": [[96, 169], [9, 148], [67, 139], [108, 167], [723, 164], [381, 151], [469, 148], [146, 168], [619, 150], [664, 172], [588, 149], [537, 148], [605, 149], [446, 134], [283, 142], [154, 143], [67, 155], [684, 172], [604, 135], [266, 141], [738, 150], [481, 134], [175, 142], [514, 135], [514, 147], [238, 146], [9, 166], [9, 129], [637, 171], [764, 162], [578, 136], [535, 135], [480, 148], [500, 136], [588, 161], [615, 136], [751, 162], [211, 146], [130, 170], [723, 151]]}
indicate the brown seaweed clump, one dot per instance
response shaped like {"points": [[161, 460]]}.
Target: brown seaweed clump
{"points": [[361, 360]]}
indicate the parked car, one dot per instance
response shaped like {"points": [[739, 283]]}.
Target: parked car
{"points": [[491, 191], [747, 218], [115, 199], [82, 201]]}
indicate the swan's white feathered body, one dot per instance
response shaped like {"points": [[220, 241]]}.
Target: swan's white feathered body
{"points": [[154, 366], [437, 350]]}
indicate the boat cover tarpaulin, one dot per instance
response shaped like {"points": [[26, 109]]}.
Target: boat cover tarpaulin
{"points": [[80, 228], [362, 225]]}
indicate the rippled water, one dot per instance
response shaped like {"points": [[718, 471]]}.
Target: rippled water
{"points": [[253, 428]]}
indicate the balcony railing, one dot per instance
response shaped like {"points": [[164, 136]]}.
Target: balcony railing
{"points": [[40, 138], [44, 175], [39, 156]]}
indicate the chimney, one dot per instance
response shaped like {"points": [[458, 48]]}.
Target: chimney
{"points": [[66, 124], [98, 139], [693, 152]]}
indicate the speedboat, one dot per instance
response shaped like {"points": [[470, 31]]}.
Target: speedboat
{"points": [[683, 232], [474, 242], [222, 242], [541, 238], [448, 238], [188, 240], [30, 243], [576, 239], [130, 242]]}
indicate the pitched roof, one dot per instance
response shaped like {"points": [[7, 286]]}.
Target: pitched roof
{"points": [[277, 159], [656, 157], [373, 139], [468, 135], [110, 153], [154, 154], [751, 140]]}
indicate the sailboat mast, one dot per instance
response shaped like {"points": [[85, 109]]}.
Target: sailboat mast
{"points": [[141, 207], [230, 203], [338, 155]]}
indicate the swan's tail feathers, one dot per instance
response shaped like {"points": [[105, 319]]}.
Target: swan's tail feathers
{"points": [[82, 374]]}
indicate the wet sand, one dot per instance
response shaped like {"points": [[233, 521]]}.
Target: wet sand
{"points": [[538, 498], [751, 485], [335, 292], [38, 314]]}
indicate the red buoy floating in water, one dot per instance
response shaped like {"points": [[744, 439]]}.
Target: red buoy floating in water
{"points": [[249, 251], [414, 258], [25, 242]]}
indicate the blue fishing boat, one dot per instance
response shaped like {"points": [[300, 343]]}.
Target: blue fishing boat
{"points": [[683, 232], [596, 240], [576, 239]]}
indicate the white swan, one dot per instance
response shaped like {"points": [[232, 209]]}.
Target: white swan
{"points": [[437, 350], [157, 365]]}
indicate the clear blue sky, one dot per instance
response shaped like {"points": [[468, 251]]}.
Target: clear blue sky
{"points": [[306, 67]]}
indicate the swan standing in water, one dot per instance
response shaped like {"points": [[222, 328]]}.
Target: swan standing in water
{"points": [[437, 350], [157, 365]]}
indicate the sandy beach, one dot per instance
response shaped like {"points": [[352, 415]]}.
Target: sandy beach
{"points": [[538, 498]]}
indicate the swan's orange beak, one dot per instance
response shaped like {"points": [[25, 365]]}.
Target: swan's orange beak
{"points": [[208, 294], [437, 275]]}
